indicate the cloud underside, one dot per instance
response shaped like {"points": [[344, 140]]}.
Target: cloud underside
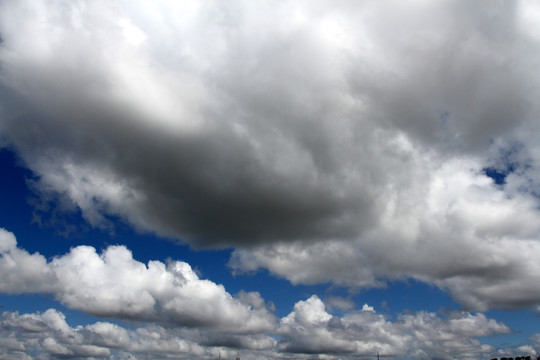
{"points": [[173, 313], [350, 143]]}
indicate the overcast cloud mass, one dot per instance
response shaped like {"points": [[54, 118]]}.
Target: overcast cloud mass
{"points": [[341, 142]]}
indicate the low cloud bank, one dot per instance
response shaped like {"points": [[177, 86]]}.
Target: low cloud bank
{"points": [[309, 329], [172, 312]]}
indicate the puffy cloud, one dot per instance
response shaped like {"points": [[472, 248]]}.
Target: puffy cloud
{"points": [[468, 236], [309, 328], [21, 271], [346, 143], [113, 284], [49, 334]]}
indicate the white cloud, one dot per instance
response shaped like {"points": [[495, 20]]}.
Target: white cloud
{"points": [[366, 307], [21, 271], [211, 321], [308, 329], [49, 334], [343, 143], [114, 284]]}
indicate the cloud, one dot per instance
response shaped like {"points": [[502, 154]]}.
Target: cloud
{"points": [[339, 303], [172, 312], [468, 237], [113, 284], [346, 143], [50, 329], [205, 141], [308, 329], [21, 271], [49, 334]]}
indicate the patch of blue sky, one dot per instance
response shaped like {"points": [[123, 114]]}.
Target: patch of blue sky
{"points": [[524, 324], [406, 296]]}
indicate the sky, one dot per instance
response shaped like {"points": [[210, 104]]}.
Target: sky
{"points": [[269, 179]]}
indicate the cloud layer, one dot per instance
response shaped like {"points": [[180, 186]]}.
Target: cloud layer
{"points": [[308, 329], [351, 142], [170, 312]]}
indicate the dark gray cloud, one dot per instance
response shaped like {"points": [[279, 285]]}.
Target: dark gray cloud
{"points": [[351, 139], [211, 157]]}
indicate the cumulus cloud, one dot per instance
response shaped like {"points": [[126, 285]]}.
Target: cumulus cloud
{"points": [[189, 317], [469, 237], [48, 334], [350, 142], [309, 328], [21, 271], [113, 284]]}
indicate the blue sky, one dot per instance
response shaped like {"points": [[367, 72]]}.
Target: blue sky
{"points": [[299, 180]]}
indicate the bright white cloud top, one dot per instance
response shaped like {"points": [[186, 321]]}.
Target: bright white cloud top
{"points": [[113, 284], [349, 142]]}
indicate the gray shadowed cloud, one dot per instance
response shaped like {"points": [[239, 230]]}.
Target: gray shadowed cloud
{"points": [[340, 142], [212, 156]]}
